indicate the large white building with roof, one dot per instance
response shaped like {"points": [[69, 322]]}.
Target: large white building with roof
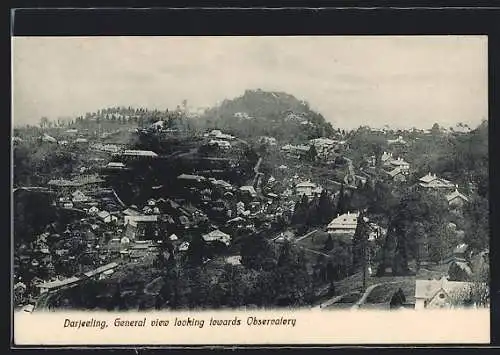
{"points": [[344, 224], [432, 181]]}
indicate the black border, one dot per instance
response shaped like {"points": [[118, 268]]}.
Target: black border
{"points": [[283, 20]]}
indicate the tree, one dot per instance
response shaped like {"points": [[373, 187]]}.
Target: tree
{"points": [[312, 154], [359, 243], [197, 250], [256, 253], [342, 201], [435, 130], [300, 212], [292, 281], [328, 244], [44, 121], [326, 208]]}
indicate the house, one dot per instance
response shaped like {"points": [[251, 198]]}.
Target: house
{"points": [[218, 236], [308, 188], [398, 140], [234, 260], [184, 246], [386, 157], [67, 204], [400, 163], [344, 224], [220, 143], [397, 174], [456, 199], [115, 165], [267, 140], [48, 139], [81, 141], [133, 217], [431, 181], [249, 190], [106, 217], [79, 196], [324, 146], [189, 177], [431, 294], [139, 153]]}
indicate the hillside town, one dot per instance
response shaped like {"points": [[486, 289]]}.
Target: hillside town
{"points": [[143, 209]]}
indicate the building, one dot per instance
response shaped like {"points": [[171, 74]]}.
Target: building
{"points": [[268, 140], [189, 177], [133, 217], [106, 217], [398, 140], [220, 143], [307, 188], [400, 163], [295, 150], [456, 199], [398, 175], [431, 294], [139, 153], [79, 196], [431, 181], [386, 157], [218, 236], [249, 190], [217, 134], [325, 147], [115, 165], [48, 139], [344, 224]]}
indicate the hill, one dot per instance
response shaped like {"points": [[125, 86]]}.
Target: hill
{"points": [[263, 113]]}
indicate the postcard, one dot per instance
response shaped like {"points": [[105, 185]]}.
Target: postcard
{"points": [[260, 190]]}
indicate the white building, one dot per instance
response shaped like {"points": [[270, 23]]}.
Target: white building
{"points": [[344, 224], [398, 140], [431, 294], [434, 182], [308, 188], [217, 235], [220, 143]]}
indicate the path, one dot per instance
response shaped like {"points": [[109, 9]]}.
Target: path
{"points": [[329, 301], [367, 293], [306, 235]]}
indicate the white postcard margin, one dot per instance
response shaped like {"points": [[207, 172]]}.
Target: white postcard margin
{"points": [[297, 327]]}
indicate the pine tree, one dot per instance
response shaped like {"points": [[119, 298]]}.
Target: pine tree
{"points": [[342, 201]]}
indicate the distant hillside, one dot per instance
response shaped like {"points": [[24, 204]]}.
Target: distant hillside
{"points": [[259, 112]]}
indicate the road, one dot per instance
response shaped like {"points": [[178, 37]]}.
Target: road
{"points": [[329, 302], [367, 293]]}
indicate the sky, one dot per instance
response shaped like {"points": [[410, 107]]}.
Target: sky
{"points": [[400, 81]]}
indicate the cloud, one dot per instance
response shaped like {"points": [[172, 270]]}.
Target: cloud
{"points": [[402, 81]]}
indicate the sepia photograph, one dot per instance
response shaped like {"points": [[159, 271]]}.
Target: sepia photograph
{"points": [[264, 173]]}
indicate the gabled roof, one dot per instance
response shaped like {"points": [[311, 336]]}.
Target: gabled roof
{"points": [[395, 172], [428, 178], [306, 184], [345, 221], [427, 289], [455, 194], [141, 153], [191, 177]]}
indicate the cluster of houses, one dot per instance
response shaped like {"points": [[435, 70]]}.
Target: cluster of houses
{"points": [[326, 148], [220, 139]]}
